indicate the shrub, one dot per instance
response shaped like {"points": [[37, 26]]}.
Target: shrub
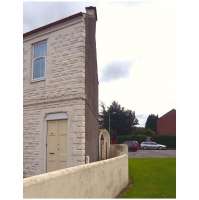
{"points": [[123, 138], [143, 131], [169, 141]]}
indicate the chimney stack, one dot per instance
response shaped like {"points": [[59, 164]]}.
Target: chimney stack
{"points": [[91, 11]]}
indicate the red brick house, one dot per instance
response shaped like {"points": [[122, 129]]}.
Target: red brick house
{"points": [[166, 125]]}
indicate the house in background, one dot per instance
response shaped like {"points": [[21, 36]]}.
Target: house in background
{"points": [[60, 94], [166, 124]]}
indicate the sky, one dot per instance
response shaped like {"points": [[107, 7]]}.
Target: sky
{"points": [[136, 49]]}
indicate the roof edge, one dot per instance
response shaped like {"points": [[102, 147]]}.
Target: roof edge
{"points": [[167, 113], [52, 24]]}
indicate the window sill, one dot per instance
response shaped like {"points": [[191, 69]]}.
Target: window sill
{"points": [[37, 80]]}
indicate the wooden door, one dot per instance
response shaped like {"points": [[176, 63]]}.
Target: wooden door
{"points": [[56, 144]]}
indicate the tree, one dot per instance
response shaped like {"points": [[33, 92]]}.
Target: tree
{"points": [[120, 120], [151, 122]]}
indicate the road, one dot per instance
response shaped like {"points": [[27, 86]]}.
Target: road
{"points": [[152, 153]]}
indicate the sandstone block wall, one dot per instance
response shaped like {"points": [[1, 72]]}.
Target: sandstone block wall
{"points": [[35, 128], [63, 90]]}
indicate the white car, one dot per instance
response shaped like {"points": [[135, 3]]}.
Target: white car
{"points": [[152, 145]]}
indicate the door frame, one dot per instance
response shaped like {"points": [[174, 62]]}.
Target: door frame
{"points": [[51, 117]]}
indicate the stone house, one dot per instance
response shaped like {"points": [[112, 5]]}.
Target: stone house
{"points": [[60, 94]]}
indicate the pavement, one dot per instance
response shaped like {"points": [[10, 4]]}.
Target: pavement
{"points": [[152, 153]]}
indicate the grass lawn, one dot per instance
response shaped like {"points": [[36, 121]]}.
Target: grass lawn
{"points": [[151, 178]]}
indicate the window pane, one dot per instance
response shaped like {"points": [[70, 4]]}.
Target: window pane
{"points": [[40, 49], [38, 68]]}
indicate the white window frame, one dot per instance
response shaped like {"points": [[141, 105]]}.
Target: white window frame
{"points": [[33, 59]]}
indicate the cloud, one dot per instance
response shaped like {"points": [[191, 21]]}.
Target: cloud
{"points": [[116, 70], [36, 14], [127, 2], [141, 39], [142, 119]]}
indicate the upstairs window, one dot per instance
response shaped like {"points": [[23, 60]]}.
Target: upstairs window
{"points": [[39, 60]]}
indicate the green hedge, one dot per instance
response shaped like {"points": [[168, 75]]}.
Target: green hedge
{"points": [[123, 138], [169, 141]]}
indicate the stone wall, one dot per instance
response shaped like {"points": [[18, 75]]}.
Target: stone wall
{"points": [[63, 90], [102, 179], [91, 89], [118, 149], [65, 67], [35, 128], [70, 86]]}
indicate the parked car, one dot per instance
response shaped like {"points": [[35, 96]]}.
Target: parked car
{"points": [[133, 145], [152, 145]]}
